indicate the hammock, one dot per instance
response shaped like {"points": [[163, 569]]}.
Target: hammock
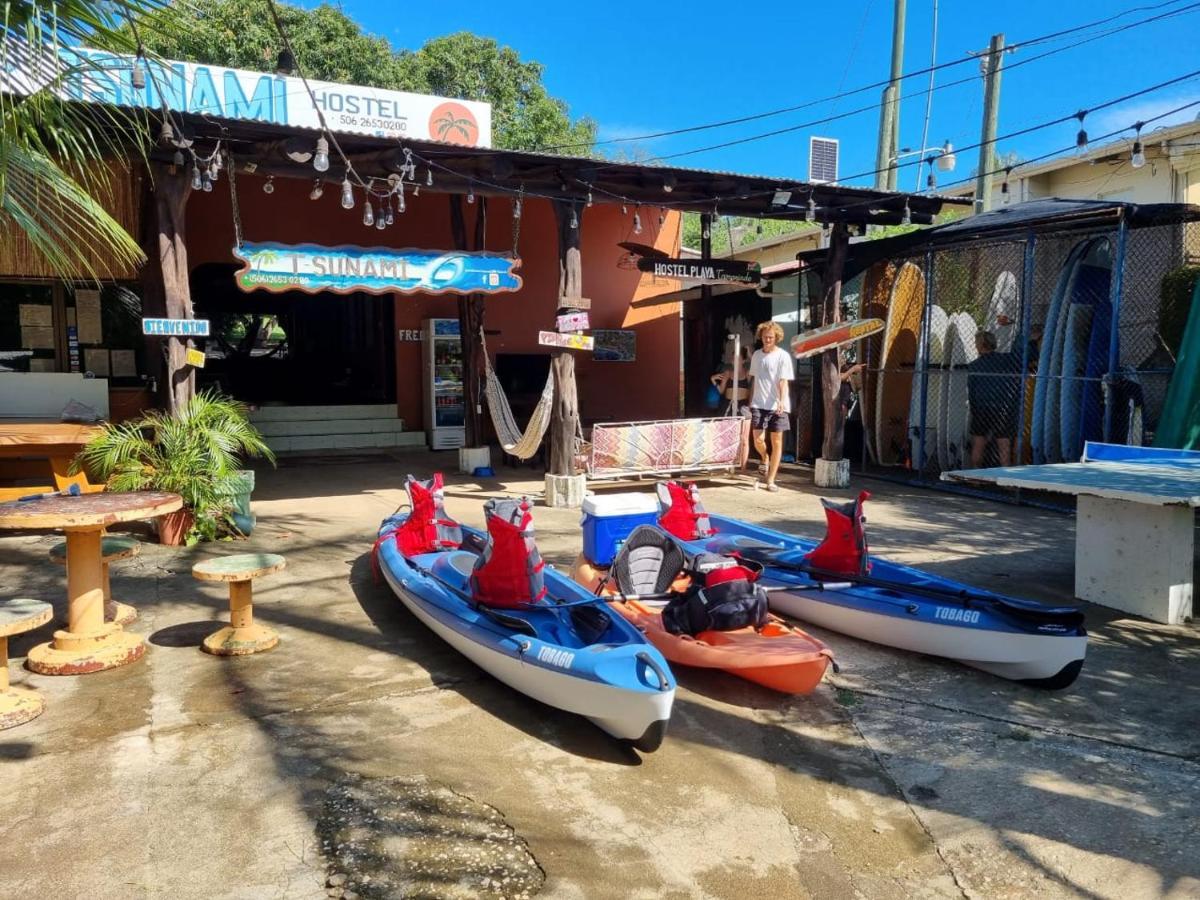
{"points": [[522, 446]]}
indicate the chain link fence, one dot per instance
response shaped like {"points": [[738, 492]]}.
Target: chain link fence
{"points": [[1019, 351]]}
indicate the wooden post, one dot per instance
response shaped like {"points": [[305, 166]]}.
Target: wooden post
{"points": [[564, 417], [831, 371], [169, 258], [470, 319]]}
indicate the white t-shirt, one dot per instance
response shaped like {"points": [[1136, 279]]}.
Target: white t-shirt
{"points": [[767, 370]]}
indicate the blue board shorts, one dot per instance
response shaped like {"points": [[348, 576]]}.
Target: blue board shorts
{"points": [[768, 420]]}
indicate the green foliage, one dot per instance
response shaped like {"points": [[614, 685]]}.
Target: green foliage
{"points": [[330, 46], [195, 454], [1176, 292], [744, 231], [50, 151]]}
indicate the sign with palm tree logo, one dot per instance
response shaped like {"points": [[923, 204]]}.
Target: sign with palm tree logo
{"points": [[314, 269]]}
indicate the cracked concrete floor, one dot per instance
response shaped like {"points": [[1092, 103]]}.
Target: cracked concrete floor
{"points": [[189, 776]]}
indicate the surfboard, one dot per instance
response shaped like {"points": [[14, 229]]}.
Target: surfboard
{"points": [[960, 352], [896, 363], [810, 343], [1003, 313], [1093, 287], [1074, 362], [934, 353], [1044, 380], [876, 291]]}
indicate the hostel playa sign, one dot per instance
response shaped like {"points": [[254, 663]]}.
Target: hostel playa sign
{"points": [[93, 76], [704, 270], [314, 269]]}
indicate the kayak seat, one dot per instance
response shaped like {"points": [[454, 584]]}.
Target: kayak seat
{"points": [[648, 561]]}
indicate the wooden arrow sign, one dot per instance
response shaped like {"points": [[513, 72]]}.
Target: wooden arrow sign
{"points": [[574, 303], [573, 322]]}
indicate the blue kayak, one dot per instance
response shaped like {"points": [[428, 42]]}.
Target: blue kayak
{"points": [[565, 650], [899, 606]]}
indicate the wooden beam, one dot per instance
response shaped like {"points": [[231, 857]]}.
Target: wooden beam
{"points": [[171, 189], [564, 417], [831, 371]]}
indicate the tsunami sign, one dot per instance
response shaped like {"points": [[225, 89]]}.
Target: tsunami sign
{"points": [[314, 269]]}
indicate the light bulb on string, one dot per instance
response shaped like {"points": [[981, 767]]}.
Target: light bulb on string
{"points": [[400, 205], [428, 177], [196, 183], [637, 222], [1004, 186], [1137, 157], [589, 197], [381, 221], [368, 213], [574, 217], [1081, 139], [624, 210], [906, 219], [213, 170], [269, 186], [660, 220], [317, 190], [470, 194], [137, 78], [810, 211], [517, 208], [758, 228], [706, 233], [931, 181], [321, 157], [207, 182], [347, 194], [177, 159]]}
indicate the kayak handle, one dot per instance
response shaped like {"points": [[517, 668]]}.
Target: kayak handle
{"points": [[664, 683]]}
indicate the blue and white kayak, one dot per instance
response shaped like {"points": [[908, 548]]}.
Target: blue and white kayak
{"points": [[899, 606], [576, 657]]}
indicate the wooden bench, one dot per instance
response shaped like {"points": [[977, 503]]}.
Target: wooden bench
{"points": [[16, 617], [241, 636], [43, 451], [112, 548]]}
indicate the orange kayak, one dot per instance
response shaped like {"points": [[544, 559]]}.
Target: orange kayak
{"points": [[779, 656]]}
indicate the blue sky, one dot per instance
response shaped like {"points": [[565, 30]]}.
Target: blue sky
{"points": [[642, 68]]}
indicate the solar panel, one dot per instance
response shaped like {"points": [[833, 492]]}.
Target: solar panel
{"points": [[822, 160]]}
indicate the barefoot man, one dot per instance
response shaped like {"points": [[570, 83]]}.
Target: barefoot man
{"points": [[770, 401]]}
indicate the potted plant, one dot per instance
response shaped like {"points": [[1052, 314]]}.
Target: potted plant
{"points": [[195, 454]]}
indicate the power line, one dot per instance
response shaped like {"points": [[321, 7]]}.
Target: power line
{"points": [[925, 71]]}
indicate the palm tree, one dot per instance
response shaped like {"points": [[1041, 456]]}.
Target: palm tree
{"points": [[53, 152]]}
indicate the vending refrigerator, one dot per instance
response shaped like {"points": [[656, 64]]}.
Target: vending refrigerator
{"points": [[442, 367]]}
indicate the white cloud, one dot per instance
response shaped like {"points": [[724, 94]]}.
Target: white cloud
{"points": [[1143, 110]]}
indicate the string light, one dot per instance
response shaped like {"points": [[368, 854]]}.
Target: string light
{"points": [[347, 194], [706, 233], [317, 190], [637, 222], [1137, 158], [399, 203], [1004, 184], [810, 211], [368, 213], [1081, 139], [517, 208], [196, 183], [428, 177], [574, 217], [660, 220], [589, 197], [624, 210], [470, 194], [381, 221], [207, 183], [931, 181], [906, 219], [269, 185], [321, 157], [177, 159], [137, 78]]}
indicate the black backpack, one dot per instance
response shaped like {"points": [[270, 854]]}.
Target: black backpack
{"points": [[723, 596]]}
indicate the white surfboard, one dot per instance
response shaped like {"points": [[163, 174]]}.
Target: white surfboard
{"points": [[960, 351], [1003, 312]]}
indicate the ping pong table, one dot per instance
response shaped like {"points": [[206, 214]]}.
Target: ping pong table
{"points": [[1134, 523]]}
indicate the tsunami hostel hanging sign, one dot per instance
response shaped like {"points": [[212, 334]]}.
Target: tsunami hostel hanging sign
{"points": [[314, 269]]}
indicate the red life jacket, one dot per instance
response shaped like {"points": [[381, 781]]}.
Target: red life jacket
{"points": [[427, 528], [844, 548], [508, 573], [682, 513]]}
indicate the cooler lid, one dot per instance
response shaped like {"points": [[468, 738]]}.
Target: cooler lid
{"points": [[606, 505]]}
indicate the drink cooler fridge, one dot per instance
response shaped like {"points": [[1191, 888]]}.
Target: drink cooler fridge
{"points": [[442, 374]]}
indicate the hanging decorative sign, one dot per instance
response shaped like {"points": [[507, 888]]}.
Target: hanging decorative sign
{"points": [[176, 327], [574, 303], [573, 322], [195, 358], [97, 76], [314, 269], [570, 341], [734, 270]]}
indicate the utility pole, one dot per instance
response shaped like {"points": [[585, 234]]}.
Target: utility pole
{"points": [[992, 64], [889, 111]]}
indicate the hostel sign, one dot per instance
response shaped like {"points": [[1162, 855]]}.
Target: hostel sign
{"points": [[314, 269], [730, 270], [94, 76]]}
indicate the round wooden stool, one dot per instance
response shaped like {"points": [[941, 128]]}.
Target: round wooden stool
{"points": [[18, 705], [111, 550], [241, 636]]}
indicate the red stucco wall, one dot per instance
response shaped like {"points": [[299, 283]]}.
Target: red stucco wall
{"points": [[647, 388]]}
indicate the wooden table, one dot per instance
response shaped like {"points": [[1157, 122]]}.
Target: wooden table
{"points": [[87, 644], [43, 450]]}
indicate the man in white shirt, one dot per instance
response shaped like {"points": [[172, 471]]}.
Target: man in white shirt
{"points": [[772, 369]]}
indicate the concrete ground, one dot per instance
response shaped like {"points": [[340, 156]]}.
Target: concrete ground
{"points": [[364, 757]]}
